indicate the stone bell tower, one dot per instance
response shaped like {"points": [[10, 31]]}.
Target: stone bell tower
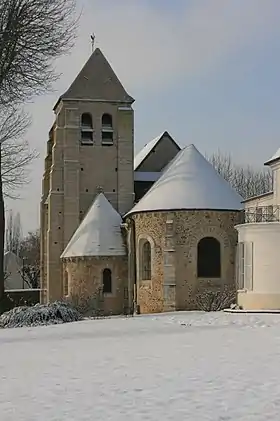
{"points": [[90, 146]]}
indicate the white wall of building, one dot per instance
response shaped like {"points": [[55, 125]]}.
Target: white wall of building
{"points": [[259, 244], [267, 199], [265, 286]]}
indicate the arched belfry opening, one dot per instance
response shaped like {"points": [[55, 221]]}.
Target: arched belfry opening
{"points": [[107, 129], [86, 129], [209, 258]]}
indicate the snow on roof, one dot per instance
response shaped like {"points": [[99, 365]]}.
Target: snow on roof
{"points": [[99, 234], [189, 182], [139, 158], [275, 157]]}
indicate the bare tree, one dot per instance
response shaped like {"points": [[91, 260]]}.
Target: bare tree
{"points": [[33, 34], [13, 233], [15, 157], [29, 252], [16, 160], [247, 181], [16, 153]]}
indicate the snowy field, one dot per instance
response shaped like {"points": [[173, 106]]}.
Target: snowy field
{"points": [[184, 366]]}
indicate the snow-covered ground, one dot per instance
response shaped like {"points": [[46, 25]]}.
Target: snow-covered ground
{"points": [[183, 366]]}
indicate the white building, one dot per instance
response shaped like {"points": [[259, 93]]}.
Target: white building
{"points": [[258, 254]]}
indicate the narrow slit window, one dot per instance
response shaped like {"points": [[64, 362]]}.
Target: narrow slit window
{"points": [[146, 261], [66, 284]]}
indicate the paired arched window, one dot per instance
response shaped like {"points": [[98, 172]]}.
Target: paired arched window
{"points": [[146, 261], [107, 129], [86, 129], [107, 281], [209, 258]]}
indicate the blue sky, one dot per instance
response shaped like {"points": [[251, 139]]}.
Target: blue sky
{"points": [[206, 71]]}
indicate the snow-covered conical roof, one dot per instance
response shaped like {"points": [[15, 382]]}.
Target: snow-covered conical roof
{"points": [[99, 234], [189, 182]]}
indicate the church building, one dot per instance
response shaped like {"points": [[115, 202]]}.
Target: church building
{"points": [[149, 231]]}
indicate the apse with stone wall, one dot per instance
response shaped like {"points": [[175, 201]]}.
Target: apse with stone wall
{"points": [[188, 220], [95, 261]]}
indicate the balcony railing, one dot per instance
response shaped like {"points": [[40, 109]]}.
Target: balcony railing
{"points": [[262, 214]]}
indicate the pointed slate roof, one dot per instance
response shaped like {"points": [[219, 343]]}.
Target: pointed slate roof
{"points": [[144, 152], [189, 182], [99, 234], [274, 158], [97, 80]]}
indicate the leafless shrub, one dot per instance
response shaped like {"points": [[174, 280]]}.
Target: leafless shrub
{"points": [[89, 306], [215, 300], [39, 315]]}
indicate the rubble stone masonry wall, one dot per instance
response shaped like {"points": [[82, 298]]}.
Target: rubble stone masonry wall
{"points": [[85, 281], [174, 237]]}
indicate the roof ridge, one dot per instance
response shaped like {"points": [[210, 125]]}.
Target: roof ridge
{"points": [[148, 147]]}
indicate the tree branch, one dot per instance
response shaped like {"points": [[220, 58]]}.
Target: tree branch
{"points": [[16, 153], [247, 181], [33, 34]]}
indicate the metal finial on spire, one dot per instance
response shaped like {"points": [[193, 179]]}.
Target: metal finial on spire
{"points": [[99, 189], [92, 37]]}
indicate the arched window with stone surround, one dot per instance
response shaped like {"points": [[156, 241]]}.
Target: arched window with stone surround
{"points": [[146, 261], [86, 129], [107, 281], [209, 258]]}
